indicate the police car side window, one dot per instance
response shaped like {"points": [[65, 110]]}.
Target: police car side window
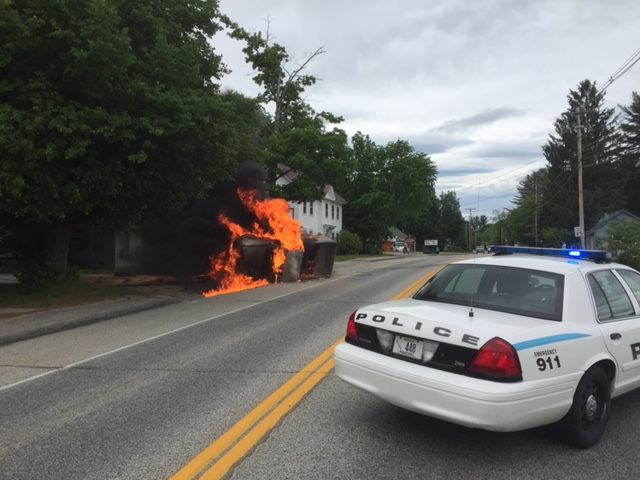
{"points": [[602, 307], [612, 300], [633, 280]]}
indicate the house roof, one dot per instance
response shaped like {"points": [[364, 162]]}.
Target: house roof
{"points": [[289, 175], [331, 194], [397, 233], [612, 217]]}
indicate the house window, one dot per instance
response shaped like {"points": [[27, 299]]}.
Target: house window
{"points": [[310, 208], [304, 207], [326, 210], [338, 213], [333, 215], [293, 212]]}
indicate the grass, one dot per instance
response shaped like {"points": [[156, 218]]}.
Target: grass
{"points": [[63, 295]]}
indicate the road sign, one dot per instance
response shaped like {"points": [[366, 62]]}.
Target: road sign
{"points": [[578, 232]]}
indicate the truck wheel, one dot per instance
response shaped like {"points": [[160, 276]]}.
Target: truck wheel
{"points": [[587, 419]]}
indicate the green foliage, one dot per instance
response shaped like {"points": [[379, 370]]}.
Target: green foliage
{"points": [[294, 136], [109, 111], [35, 277], [630, 127], [611, 170], [104, 105], [348, 243], [624, 239], [554, 236], [452, 224], [629, 163], [602, 192], [314, 151], [387, 186], [490, 235]]}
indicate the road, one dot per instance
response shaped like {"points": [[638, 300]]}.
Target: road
{"points": [[141, 396]]}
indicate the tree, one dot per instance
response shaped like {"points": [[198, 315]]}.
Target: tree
{"points": [[602, 191], [529, 203], [294, 134], [624, 238], [630, 127], [630, 153], [109, 113], [452, 224], [390, 185], [479, 222]]}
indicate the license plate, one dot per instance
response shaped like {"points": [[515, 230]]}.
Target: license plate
{"points": [[408, 347]]}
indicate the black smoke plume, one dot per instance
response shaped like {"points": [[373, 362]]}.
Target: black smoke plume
{"points": [[182, 246]]}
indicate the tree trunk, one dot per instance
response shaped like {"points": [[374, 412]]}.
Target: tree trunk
{"points": [[56, 247]]}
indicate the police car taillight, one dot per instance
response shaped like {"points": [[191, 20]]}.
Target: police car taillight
{"points": [[352, 330], [498, 360]]}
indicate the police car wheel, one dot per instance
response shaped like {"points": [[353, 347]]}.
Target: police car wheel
{"points": [[586, 421]]}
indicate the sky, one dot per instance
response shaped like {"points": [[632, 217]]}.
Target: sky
{"points": [[476, 85]]}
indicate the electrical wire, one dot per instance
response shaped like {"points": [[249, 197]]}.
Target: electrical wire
{"points": [[624, 68], [498, 176], [588, 148]]}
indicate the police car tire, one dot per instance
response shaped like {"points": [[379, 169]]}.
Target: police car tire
{"points": [[589, 413]]}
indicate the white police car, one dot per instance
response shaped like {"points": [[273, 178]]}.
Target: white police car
{"points": [[505, 342]]}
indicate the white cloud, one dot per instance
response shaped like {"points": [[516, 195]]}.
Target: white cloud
{"points": [[477, 85]]}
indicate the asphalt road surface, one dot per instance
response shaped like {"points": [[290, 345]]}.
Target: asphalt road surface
{"points": [[139, 397]]}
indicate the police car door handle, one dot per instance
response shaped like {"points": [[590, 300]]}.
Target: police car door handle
{"points": [[615, 336]]}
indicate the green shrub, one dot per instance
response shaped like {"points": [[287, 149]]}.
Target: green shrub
{"points": [[624, 243], [34, 277], [348, 243]]}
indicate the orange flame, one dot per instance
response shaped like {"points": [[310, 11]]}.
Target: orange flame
{"points": [[284, 230]]}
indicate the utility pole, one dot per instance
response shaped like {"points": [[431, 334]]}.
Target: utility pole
{"points": [[471, 246], [580, 190]]}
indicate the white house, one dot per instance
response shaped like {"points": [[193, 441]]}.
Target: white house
{"points": [[322, 217]]}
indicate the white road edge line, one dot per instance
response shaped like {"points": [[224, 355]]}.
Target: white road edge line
{"points": [[155, 337]]}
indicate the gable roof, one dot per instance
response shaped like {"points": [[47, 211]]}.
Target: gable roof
{"points": [[289, 175], [612, 217]]}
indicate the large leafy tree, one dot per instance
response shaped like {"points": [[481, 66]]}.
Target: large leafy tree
{"points": [[294, 134], [109, 113], [391, 185], [452, 224], [602, 190]]}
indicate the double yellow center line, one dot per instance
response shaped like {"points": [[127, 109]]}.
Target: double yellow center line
{"points": [[215, 461]]}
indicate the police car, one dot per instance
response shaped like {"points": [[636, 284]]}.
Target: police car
{"points": [[507, 342]]}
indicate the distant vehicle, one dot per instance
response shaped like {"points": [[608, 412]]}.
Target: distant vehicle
{"points": [[516, 340], [431, 246], [398, 247], [479, 249]]}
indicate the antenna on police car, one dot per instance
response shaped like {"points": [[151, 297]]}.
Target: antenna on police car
{"points": [[473, 240]]}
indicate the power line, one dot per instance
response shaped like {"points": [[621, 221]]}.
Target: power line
{"points": [[624, 68], [491, 179]]}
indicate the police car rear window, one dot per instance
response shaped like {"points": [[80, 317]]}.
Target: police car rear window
{"points": [[520, 291]]}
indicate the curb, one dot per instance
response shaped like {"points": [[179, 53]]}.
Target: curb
{"points": [[88, 320]]}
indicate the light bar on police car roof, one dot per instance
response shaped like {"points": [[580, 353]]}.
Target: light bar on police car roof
{"points": [[595, 255]]}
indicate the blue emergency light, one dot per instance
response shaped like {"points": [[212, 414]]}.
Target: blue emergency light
{"points": [[594, 255]]}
